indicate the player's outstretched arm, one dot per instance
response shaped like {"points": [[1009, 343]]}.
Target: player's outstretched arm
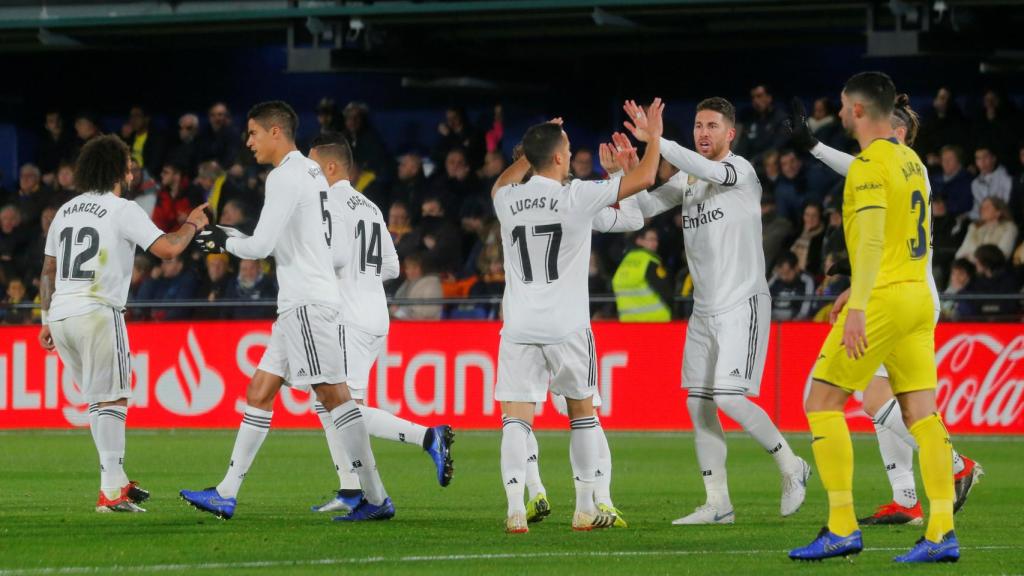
{"points": [[173, 243], [47, 286], [837, 160], [516, 171], [650, 125]]}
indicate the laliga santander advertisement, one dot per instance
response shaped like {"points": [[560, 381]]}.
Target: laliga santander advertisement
{"points": [[194, 374]]}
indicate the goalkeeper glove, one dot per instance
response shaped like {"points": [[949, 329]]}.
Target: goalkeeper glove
{"points": [[800, 135], [212, 240]]}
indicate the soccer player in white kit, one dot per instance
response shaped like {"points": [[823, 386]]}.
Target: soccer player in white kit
{"points": [[546, 341], [727, 335], [362, 264], [305, 342], [87, 269], [895, 442]]}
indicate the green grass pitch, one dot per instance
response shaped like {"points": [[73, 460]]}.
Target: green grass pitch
{"points": [[49, 479]]}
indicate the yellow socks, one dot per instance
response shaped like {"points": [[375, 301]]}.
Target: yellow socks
{"points": [[833, 452], [935, 456]]}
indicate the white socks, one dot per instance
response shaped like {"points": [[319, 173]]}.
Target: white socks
{"points": [[107, 426], [583, 446], [515, 433], [891, 417], [711, 450], [897, 455], [533, 482], [603, 482], [350, 432], [347, 477], [756, 422], [251, 433], [384, 424]]}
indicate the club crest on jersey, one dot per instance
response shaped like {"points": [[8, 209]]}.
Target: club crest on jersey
{"points": [[703, 217]]}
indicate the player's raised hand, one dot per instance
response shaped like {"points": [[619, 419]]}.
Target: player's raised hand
{"points": [[645, 125], [625, 152], [855, 338], [606, 153], [198, 217], [800, 135]]}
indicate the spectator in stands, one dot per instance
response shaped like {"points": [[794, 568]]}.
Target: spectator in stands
{"points": [[770, 170], [494, 165], [807, 246], [252, 284], [31, 257], [31, 196], [186, 152], [400, 228], [993, 227], [993, 278], [481, 230], [219, 141], [456, 132], [367, 183], [943, 125], [55, 146], [14, 240], [496, 134], [171, 281], [825, 125], [791, 187], [947, 235], [961, 277], [438, 237], [830, 288], [17, 293], [789, 281], [642, 286], [420, 283], [236, 215], [142, 270], [998, 127], [775, 230], [87, 127], [64, 184], [215, 283], [175, 199], [833, 240], [1016, 203], [213, 186], [458, 183], [491, 283], [411, 185], [992, 179], [953, 182], [148, 147], [143, 188], [327, 116], [582, 165], [762, 126], [368, 148]]}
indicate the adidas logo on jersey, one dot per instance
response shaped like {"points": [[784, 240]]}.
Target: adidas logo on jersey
{"points": [[735, 372], [357, 464], [511, 482], [302, 372]]}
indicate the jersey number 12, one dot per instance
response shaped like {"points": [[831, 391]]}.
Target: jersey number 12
{"points": [[86, 235], [554, 242]]}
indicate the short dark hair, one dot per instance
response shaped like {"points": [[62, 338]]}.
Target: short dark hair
{"points": [[877, 89], [956, 150], [966, 265], [643, 232], [990, 256], [333, 144], [101, 164], [788, 257], [720, 105], [276, 113], [540, 143], [904, 115]]}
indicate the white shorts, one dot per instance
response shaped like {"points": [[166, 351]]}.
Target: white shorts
{"points": [[94, 346], [728, 351], [359, 351], [305, 347], [527, 371], [563, 408]]}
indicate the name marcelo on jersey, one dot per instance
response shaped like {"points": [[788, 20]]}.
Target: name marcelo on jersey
{"points": [[703, 217], [86, 208]]}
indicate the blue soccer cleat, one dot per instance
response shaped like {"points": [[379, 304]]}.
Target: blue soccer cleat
{"points": [[343, 501], [829, 545], [927, 551], [367, 511], [210, 500], [440, 450]]}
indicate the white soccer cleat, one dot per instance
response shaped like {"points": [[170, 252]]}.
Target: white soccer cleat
{"points": [[794, 488], [585, 521], [516, 524], [706, 514]]}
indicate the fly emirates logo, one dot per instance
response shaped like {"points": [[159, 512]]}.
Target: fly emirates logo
{"points": [[704, 216]]}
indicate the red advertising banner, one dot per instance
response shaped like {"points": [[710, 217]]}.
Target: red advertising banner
{"points": [[194, 374]]}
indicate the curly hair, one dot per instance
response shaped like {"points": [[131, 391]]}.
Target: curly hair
{"points": [[102, 164]]}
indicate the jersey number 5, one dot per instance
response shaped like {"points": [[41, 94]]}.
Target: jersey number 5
{"points": [[554, 235], [326, 214], [918, 246], [86, 235], [369, 248]]}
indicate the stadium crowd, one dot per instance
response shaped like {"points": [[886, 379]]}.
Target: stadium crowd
{"points": [[438, 209]]}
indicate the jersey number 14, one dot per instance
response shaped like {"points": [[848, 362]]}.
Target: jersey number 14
{"points": [[370, 252]]}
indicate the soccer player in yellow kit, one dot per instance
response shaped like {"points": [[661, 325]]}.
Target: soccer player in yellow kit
{"points": [[888, 320]]}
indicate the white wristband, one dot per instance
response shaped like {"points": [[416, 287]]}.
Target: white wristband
{"points": [[43, 314]]}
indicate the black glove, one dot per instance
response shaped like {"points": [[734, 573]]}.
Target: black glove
{"points": [[800, 136], [840, 268], [212, 240]]}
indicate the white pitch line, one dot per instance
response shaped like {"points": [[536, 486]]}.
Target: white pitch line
{"points": [[411, 559]]}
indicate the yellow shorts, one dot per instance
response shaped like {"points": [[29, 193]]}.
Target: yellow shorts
{"points": [[900, 334]]}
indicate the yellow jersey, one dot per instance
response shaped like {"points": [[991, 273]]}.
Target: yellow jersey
{"points": [[889, 176]]}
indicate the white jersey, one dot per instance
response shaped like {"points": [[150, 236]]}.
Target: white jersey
{"points": [[840, 163], [93, 237], [294, 227], [545, 234], [364, 257], [721, 203]]}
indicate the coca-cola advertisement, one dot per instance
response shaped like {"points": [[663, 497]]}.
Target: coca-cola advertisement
{"points": [[194, 375]]}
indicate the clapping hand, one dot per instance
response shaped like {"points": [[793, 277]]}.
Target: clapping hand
{"points": [[645, 126]]}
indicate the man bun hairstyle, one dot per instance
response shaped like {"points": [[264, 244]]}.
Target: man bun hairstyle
{"points": [[540, 143], [101, 164], [904, 115], [276, 113], [876, 90], [720, 105]]}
